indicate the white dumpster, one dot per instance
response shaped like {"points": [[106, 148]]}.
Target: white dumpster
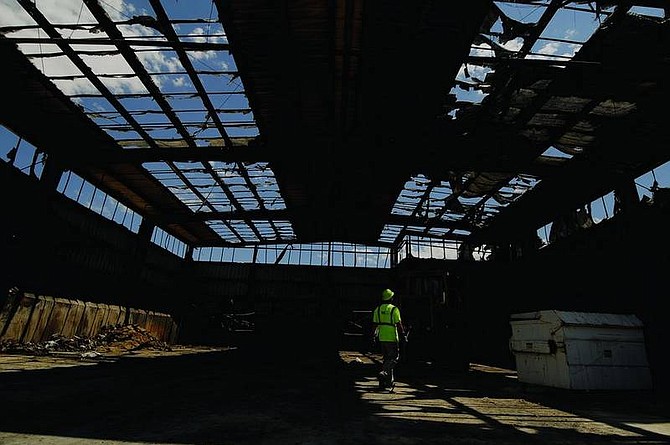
{"points": [[580, 350]]}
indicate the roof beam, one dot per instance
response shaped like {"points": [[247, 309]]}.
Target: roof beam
{"points": [[630, 3], [279, 242], [446, 237], [494, 61], [202, 154], [259, 214], [116, 41], [435, 222]]}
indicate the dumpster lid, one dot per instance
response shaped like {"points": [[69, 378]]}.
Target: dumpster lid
{"points": [[580, 318]]}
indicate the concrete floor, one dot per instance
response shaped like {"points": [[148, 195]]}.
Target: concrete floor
{"points": [[308, 396]]}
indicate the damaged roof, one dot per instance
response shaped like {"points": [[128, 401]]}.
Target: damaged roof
{"points": [[254, 122]]}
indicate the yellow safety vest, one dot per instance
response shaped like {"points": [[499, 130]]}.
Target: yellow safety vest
{"points": [[386, 316]]}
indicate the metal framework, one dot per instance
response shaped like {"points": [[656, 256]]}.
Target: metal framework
{"points": [[200, 129]]}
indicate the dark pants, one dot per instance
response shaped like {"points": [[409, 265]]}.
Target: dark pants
{"points": [[391, 355]]}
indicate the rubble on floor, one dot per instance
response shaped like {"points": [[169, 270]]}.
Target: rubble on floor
{"points": [[116, 339]]}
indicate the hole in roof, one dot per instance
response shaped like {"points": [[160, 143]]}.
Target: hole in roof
{"points": [[652, 12], [555, 152]]}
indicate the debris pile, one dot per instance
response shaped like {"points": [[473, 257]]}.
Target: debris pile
{"points": [[111, 339]]}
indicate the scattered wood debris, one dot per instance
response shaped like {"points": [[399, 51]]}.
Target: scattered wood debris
{"points": [[114, 339]]}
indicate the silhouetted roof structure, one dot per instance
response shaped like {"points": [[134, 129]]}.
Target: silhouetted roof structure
{"points": [[352, 131]]}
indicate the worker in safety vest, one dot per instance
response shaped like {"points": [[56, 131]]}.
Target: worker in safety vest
{"points": [[388, 329]]}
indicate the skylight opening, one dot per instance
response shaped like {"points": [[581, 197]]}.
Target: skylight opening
{"points": [[490, 208], [266, 185], [554, 152], [125, 135], [236, 114], [285, 229], [469, 200], [99, 110], [524, 13], [48, 58], [602, 208], [423, 247], [522, 183], [319, 254], [568, 29], [152, 119], [244, 230], [390, 233], [20, 153], [168, 242], [84, 193], [649, 181], [470, 83], [184, 192], [159, 60], [242, 130], [135, 105], [208, 30], [224, 231], [440, 193], [438, 231], [651, 12], [543, 233], [75, 86], [182, 102], [200, 179], [174, 81]]}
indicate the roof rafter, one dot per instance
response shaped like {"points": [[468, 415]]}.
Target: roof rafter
{"points": [[120, 40]]}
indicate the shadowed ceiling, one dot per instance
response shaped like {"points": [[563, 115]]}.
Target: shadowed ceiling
{"points": [[340, 120]]}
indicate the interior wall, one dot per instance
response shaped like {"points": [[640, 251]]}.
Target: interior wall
{"points": [[292, 303]]}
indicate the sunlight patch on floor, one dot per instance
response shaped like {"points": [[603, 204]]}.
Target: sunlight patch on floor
{"points": [[25, 439], [528, 416], [659, 427], [403, 403]]}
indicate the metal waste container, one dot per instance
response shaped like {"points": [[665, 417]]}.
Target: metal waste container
{"points": [[580, 350]]}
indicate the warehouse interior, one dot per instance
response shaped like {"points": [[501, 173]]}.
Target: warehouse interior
{"points": [[246, 177]]}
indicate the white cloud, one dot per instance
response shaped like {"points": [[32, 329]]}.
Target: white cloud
{"points": [[550, 49], [179, 81], [198, 35], [476, 71], [514, 45]]}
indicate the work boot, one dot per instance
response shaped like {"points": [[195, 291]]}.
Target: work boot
{"points": [[382, 377]]}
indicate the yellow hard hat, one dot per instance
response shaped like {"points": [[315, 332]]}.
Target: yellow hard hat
{"points": [[387, 294]]}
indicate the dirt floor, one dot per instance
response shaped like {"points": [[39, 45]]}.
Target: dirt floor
{"points": [[198, 395]]}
